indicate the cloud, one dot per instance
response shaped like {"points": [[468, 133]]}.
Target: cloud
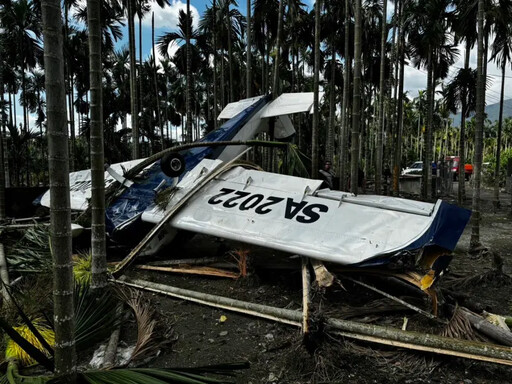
{"points": [[168, 16], [171, 51], [415, 80]]}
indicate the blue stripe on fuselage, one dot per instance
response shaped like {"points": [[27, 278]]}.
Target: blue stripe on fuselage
{"points": [[133, 201]]}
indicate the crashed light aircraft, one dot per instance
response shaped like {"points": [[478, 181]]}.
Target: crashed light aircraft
{"points": [[213, 195]]}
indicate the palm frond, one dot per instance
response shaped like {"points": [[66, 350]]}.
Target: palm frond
{"points": [[30, 349], [161, 376], [32, 252], [95, 316], [82, 266], [296, 166], [14, 351], [148, 341]]}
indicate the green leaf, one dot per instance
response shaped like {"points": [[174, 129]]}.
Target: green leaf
{"points": [[95, 316]]}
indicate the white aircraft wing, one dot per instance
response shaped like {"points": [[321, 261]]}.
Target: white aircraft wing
{"points": [[289, 103], [80, 184], [233, 109], [291, 214]]}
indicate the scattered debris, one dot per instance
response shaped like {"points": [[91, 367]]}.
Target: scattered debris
{"points": [[350, 329]]}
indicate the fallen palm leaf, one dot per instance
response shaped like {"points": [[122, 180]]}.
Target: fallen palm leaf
{"points": [[95, 316], [148, 342], [15, 351], [32, 252], [460, 327], [30, 349]]}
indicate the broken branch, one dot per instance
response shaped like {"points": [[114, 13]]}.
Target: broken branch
{"points": [[368, 332]]}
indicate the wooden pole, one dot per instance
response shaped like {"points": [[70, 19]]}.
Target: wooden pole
{"points": [[368, 332], [306, 296]]}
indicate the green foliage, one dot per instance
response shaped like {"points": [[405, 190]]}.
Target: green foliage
{"points": [[95, 316], [295, 162], [488, 170], [82, 268], [161, 376], [32, 252]]}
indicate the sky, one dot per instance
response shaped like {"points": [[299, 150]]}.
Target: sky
{"points": [[166, 20]]}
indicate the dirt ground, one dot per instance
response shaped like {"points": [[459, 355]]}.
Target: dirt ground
{"points": [[275, 351]]}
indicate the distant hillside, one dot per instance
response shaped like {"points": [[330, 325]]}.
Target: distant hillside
{"points": [[492, 111]]}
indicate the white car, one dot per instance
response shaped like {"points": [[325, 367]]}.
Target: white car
{"points": [[415, 168]]}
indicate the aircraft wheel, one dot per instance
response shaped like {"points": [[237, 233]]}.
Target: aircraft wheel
{"points": [[172, 164]]}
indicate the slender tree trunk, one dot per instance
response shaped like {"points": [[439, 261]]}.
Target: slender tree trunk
{"points": [[134, 110], [479, 128], [498, 141], [68, 73], [189, 76], [329, 145], [5, 157], [215, 96], [60, 218], [157, 97], [98, 242], [222, 82], [461, 193], [25, 126], [356, 106], [316, 114], [14, 108], [139, 70], [275, 85], [248, 81], [230, 56], [427, 159], [345, 103], [382, 92], [400, 117]]}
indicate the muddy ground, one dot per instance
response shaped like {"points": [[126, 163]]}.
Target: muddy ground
{"points": [[275, 351]]}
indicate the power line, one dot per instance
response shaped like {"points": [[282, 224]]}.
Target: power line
{"points": [[488, 74]]}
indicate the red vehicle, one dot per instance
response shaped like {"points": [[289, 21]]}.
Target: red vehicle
{"points": [[468, 168]]}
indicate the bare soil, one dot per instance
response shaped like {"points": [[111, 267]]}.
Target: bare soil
{"points": [[276, 352]]}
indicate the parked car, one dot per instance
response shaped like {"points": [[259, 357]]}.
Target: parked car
{"points": [[468, 168], [416, 168]]}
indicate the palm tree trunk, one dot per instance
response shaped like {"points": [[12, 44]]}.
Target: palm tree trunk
{"points": [[139, 72], [4, 159], [222, 82], [60, 218], [498, 141], [134, 110], [329, 145], [69, 76], [346, 83], [356, 106], [157, 97], [215, 96], [98, 243], [248, 81], [25, 127], [382, 92], [275, 85], [401, 65], [479, 127], [189, 77], [427, 159], [316, 114], [461, 193], [230, 57]]}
